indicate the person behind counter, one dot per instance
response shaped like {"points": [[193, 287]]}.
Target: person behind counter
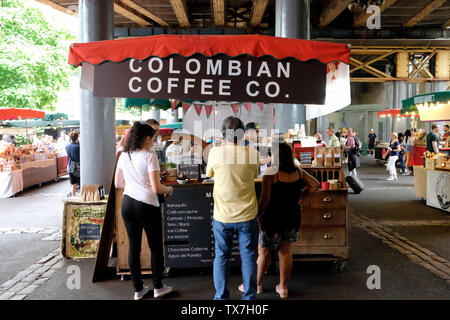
{"points": [[279, 213], [234, 168], [73, 159], [433, 139], [138, 173], [251, 134]]}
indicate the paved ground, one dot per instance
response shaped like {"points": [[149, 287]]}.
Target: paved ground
{"points": [[407, 240]]}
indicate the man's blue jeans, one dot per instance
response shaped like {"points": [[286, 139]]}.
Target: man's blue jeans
{"points": [[248, 247]]}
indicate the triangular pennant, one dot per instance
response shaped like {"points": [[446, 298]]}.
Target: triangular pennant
{"points": [[208, 110], [235, 108], [186, 106], [261, 105], [198, 108], [248, 106], [174, 103]]}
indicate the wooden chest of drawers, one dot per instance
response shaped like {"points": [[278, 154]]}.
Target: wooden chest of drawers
{"points": [[324, 227]]}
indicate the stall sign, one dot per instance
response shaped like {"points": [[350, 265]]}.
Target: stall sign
{"points": [[223, 78]]}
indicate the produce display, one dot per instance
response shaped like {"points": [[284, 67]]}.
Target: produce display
{"points": [[11, 157]]}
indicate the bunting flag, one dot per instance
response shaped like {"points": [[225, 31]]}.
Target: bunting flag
{"points": [[261, 105], [248, 106], [235, 108], [198, 108], [208, 110], [174, 103], [186, 106]]}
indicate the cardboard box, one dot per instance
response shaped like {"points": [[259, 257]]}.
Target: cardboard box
{"points": [[430, 163], [334, 184]]}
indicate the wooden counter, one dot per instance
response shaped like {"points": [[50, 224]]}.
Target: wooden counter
{"points": [[189, 240]]}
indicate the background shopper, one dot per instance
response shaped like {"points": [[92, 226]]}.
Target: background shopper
{"points": [[333, 140], [393, 151], [73, 156], [234, 167], [371, 141], [401, 157], [280, 214], [352, 153], [409, 142], [138, 173]]}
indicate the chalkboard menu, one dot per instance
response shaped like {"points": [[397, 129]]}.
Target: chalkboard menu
{"points": [[305, 158], [190, 171], [188, 234]]}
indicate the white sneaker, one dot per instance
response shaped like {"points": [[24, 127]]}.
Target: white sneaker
{"points": [[161, 291], [139, 295], [391, 178], [406, 173]]}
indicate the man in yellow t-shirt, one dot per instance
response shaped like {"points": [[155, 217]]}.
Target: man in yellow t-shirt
{"points": [[234, 167]]}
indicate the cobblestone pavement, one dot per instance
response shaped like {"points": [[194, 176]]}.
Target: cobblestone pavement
{"points": [[28, 280], [431, 261]]}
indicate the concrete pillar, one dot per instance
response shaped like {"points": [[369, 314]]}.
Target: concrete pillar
{"points": [[291, 21], [97, 120]]}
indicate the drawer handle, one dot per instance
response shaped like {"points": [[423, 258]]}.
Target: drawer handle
{"points": [[327, 216], [327, 236], [326, 199]]}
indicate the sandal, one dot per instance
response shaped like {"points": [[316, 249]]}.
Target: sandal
{"points": [[282, 292], [259, 290]]}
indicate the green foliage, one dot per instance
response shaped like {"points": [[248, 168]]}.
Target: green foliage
{"points": [[33, 58], [21, 139], [120, 108]]}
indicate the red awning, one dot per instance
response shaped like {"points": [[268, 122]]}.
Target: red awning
{"points": [[15, 113], [394, 113], [209, 45]]}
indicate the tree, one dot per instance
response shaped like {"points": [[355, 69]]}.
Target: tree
{"points": [[33, 57]]}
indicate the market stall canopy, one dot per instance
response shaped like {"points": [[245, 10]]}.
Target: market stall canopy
{"points": [[19, 113], [252, 68], [56, 116], [394, 113], [430, 107]]}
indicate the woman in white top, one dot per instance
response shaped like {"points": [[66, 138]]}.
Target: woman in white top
{"points": [[138, 173]]}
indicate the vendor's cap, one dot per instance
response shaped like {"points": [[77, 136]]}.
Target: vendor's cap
{"points": [[251, 126]]}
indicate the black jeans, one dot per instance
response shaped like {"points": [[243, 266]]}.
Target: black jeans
{"points": [[138, 215]]}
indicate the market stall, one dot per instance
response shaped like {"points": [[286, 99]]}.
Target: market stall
{"points": [[381, 148], [252, 69], [432, 180]]}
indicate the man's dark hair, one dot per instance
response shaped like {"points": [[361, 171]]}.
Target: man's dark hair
{"points": [[136, 136], [434, 126], [446, 125], [233, 129], [73, 136], [250, 126], [152, 122]]}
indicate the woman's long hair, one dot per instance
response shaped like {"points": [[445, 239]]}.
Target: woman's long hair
{"points": [[136, 136], [284, 157]]}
